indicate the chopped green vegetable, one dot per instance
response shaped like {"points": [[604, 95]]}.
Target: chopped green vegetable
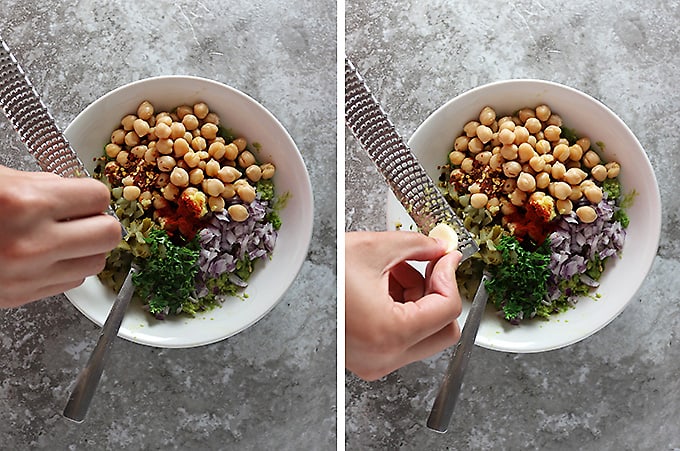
{"points": [[166, 279], [569, 134], [612, 187], [266, 189], [519, 283], [226, 133]]}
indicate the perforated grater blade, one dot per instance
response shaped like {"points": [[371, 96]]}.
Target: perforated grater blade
{"points": [[36, 126], [407, 178]]}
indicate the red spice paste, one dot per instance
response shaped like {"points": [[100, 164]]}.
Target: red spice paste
{"points": [[534, 222], [186, 218]]}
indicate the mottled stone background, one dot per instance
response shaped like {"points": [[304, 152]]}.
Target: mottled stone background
{"points": [[270, 387], [619, 389]]}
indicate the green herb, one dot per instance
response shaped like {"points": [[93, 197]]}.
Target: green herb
{"points": [[266, 189], [226, 133], [166, 279], [519, 283], [569, 134], [612, 187], [223, 286]]}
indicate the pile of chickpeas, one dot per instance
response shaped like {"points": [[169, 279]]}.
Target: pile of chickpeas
{"points": [[525, 158], [158, 157]]}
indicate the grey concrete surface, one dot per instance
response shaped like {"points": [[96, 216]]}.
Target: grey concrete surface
{"points": [[617, 390], [270, 387]]}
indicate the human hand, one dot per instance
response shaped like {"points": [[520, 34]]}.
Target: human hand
{"points": [[394, 315], [52, 234]]}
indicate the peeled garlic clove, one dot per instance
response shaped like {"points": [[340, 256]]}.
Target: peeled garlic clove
{"points": [[447, 234]]}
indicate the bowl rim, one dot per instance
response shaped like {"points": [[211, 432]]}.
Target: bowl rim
{"points": [[655, 199], [307, 196]]}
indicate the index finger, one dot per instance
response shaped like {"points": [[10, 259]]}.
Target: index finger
{"points": [[72, 198]]}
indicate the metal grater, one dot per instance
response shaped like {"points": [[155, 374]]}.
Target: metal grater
{"points": [[407, 178]]}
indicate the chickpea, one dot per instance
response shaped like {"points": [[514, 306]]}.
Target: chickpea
{"points": [[128, 122], [543, 147], [190, 122], [512, 169], [212, 167], [584, 143], [564, 206], [576, 193], [470, 128], [574, 176], [240, 143], [483, 158], [496, 161], [526, 182], [177, 130], [537, 163], [561, 152], [613, 169], [466, 165], [593, 194], [238, 212], [201, 110], [479, 200], [166, 163], [575, 152], [112, 150], [162, 130], [521, 135], [558, 170], [533, 125], [542, 180], [518, 197], [509, 151], [162, 180], [591, 159], [507, 208], [213, 187], [141, 127], [254, 173], [165, 146], [128, 181], [231, 151], [456, 157], [216, 204], [548, 158], [145, 110], [506, 136], [180, 147], [139, 151], [196, 176], [525, 114], [229, 174], [525, 152], [163, 118], [246, 193], [509, 186], [198, 143], [484, 133], [209, 131], [487, 116], [118, 136], [122, 158], [217, 150], [183, 110], [475, 145], [552, 133], [229, 191], [562, 190], [268, 171], [131, 139], [599, 172], [170, 192], [131, 192], [474, 188], [543, 112], [179, 177], [555, 120], [461, 143], [212, 118], [586, 214], [506, 123]]}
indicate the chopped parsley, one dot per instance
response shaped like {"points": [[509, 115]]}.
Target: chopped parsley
{"points": [[519, 283]]}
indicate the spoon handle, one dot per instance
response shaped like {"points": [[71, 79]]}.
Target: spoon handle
{"points": [[445, 402], [89, 376]]}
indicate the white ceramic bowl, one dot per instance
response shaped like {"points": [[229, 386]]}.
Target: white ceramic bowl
{"points": [[91, 130], [431, 143]]}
